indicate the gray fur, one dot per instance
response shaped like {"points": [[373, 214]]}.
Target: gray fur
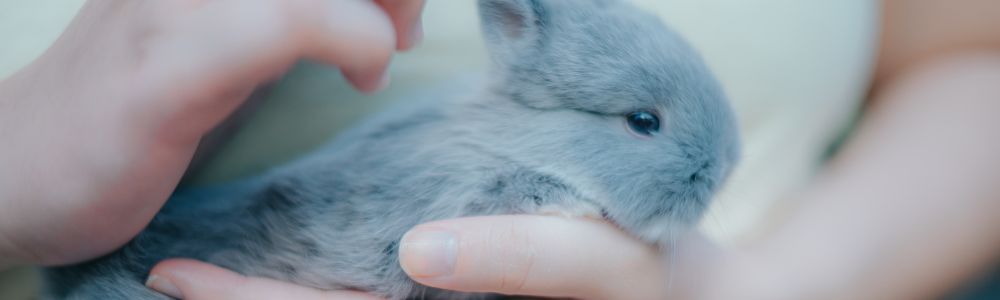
{"points": [[547, 133]]}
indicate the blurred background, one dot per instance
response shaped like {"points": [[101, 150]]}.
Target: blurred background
{"points": [[796, 71]]}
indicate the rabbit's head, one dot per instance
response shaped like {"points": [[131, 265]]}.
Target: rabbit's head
{"points": [[608, 99]]}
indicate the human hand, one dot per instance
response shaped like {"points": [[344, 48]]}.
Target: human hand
{"points": [[516, 255], [98, 131], [192, 280], [526, 255], [585, 259]]}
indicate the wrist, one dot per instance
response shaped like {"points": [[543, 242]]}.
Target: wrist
{"points": [[781, 269]]}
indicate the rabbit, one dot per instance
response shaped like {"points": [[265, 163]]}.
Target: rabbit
{"points": [[592, 108]]}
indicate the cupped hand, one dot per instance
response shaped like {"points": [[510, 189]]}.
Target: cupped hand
{"points": [[98, 131], [523, 255]]}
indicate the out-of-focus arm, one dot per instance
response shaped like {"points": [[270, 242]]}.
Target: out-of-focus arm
{"points": [[911, 207]]}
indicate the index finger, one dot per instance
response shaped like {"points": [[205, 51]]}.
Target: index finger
{"points": [[405, 15], [533, 255]]}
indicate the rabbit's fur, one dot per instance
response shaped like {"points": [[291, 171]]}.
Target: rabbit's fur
{"points": [[546, 133]]}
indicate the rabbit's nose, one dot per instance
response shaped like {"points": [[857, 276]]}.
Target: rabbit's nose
{"points": [[704, 175]]}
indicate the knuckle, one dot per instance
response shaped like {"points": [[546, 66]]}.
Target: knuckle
{"points": [[374, 48], [357, 32]]}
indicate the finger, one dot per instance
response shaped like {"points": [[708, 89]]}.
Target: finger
{"points": [[405, 15], [193, 280], [358, 37], [533, 255], [220, 43]]}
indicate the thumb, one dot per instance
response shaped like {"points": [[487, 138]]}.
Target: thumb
{"points": [[535, 256], [189, 279]]}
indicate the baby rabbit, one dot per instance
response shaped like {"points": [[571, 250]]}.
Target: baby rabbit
{"points": [[593, 108]]}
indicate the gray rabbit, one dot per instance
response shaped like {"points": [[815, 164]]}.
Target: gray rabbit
{"points": [[593, 108]]}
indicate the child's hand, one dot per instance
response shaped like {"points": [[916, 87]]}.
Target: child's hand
{"points": [[97, 132]]}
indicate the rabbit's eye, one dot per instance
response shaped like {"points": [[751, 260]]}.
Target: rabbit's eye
{"points": [[643, 123]]}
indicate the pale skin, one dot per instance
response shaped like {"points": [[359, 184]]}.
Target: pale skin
{"points": [[907, 210]]}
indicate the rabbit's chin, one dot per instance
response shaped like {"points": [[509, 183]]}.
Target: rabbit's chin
{"points": [[662, 233], [575, 209]]}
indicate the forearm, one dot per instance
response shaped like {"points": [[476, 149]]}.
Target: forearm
{"points": [[910, 207]]}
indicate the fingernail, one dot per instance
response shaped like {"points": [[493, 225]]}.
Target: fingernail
{"points": [[163, 286], [428, 253]]}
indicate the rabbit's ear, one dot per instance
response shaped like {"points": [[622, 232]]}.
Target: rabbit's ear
{"points": [[512, 28]]}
